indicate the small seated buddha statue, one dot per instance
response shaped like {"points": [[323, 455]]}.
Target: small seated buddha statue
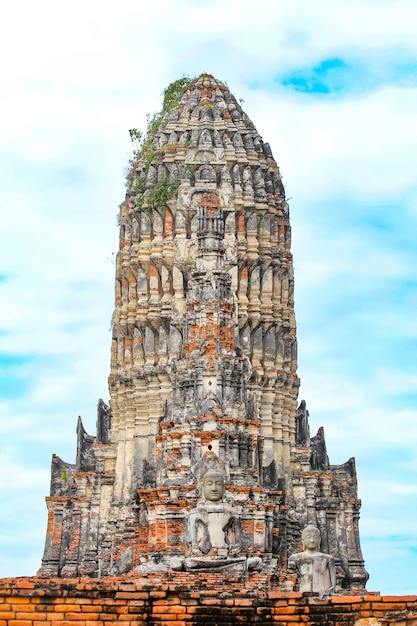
{"points": [[315, 570]]}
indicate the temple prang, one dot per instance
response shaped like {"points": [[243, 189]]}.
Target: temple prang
{"points": [[203, 378]]}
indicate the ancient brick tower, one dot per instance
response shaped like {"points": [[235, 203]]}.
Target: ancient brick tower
{"points": [[203, 366]]}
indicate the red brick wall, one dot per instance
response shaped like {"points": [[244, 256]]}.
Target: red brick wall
{"points": [[180, 599]]}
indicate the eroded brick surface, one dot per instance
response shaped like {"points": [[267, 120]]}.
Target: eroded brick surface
{"points": [[177, 599]]}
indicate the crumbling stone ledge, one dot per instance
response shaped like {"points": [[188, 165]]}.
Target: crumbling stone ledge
{"points": [[185, 599]]}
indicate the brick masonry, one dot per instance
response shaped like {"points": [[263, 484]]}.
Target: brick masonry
{"points": [[184, 599]]}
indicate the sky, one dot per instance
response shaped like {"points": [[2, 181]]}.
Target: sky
{"points": [[332, 86]]}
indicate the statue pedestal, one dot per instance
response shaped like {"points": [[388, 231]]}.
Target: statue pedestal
{"points": [[217, 564]]}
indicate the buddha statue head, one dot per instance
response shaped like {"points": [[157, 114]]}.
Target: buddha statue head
{"points": [[311, 538], [213, 486]]}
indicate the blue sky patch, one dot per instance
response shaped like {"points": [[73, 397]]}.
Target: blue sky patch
{"points": [[337, 76], [406, 74], [14, 383], [70, 176], [330, 76], [12, 388], [13, 360]]}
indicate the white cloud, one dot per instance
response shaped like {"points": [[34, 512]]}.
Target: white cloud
{"points": [[365, 146], [69, 95], [20, 476]]}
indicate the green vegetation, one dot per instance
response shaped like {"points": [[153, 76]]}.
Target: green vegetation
{"points": [[158, 196], [64, 475], [143, 141]]}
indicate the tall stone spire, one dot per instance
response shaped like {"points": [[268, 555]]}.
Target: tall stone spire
{"points": [[203, 365]]}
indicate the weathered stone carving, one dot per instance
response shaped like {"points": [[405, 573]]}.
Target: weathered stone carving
{"points": [[213, 530], [211, 525], [315, 570], [203, 373]]}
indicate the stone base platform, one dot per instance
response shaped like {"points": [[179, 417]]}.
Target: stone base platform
{"points": [[187, 599]]}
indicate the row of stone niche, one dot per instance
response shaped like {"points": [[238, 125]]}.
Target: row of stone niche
{"points": [[206, 138], [270, 290], [133, 226], [250, 179], [237, 449], [197, 107], [154, 280], [208, 88], [268, 349]]}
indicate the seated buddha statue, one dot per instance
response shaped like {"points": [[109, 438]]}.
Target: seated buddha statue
{"points": [[212, 526], [315, 570]]}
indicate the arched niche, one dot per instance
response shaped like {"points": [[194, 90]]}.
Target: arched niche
{"points": [[168, 223], [154, 282], [127, 233], [166, 280], [177, 281], [206, 173], [269, 346], [135, 229], [234, 276], [243, 280], [173, 137], [149, 343], [237, 140], [142, 284], [241, 225], [118, 291], [230, 223], [162, 343], [256, 345], [138, 352], [210, 346], [184, 137], [205, 140], [255, 280], [236, 175], [265, 225], [174, 342], [162, 173], [174, 173], [151, 177], [247, 178], [267, 283], [217, 139], [225, 174], [244, 340], [251, 223], [157, 223], [145, 224], [180, 222]]}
